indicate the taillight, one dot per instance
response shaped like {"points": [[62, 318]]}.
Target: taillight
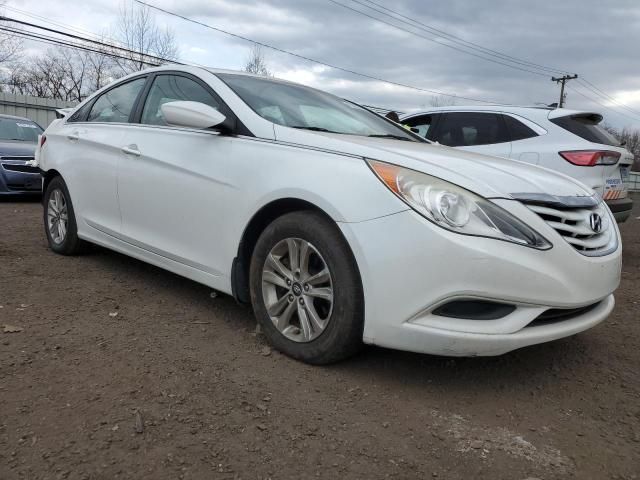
{"points": [[43, 139], [589, 158]]}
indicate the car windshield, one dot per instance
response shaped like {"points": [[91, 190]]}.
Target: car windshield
{"points": [[19, 130], [297, 106]]}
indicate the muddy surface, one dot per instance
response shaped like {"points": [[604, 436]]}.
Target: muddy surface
{"points": [[121, 370]]}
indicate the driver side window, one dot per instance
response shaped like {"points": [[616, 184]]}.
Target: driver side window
{"points": [[171, 88]]}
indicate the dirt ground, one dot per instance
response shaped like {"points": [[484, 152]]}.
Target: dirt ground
{"points": [[121, 370]]}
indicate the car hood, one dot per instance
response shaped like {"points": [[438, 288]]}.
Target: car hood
{"points": [[12, 148], [491, 177]]}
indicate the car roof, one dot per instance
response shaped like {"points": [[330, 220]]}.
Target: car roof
{"points": [[13, 117], [524, 111]]}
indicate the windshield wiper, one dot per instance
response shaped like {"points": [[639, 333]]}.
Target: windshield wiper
{"points": [[314, 129], [390, 135]]}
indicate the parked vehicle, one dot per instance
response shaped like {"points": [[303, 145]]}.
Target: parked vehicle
{"points": [[18, 140], [338, 226], [569, 141]]}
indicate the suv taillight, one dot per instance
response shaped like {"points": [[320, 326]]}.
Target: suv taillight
{"points": [[589, 158], [43, 139]]}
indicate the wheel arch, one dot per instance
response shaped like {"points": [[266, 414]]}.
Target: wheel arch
{"points": [[252, 231], [46, 179]]}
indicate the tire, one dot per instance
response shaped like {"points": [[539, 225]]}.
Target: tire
{"points": [[58, 207], [335, 301]]}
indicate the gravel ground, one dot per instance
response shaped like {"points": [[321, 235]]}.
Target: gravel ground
{"points": [[122, 370]]}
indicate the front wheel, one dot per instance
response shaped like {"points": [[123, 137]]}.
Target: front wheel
{"points": [[306, 290]]}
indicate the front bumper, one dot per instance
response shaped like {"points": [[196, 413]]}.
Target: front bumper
{"points": [[410, 267], [18, 178], [621, 208]]}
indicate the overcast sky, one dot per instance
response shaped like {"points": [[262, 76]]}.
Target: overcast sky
{"points": [[596, 39]]}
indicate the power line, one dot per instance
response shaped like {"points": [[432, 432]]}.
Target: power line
{"points": [[55, 41], [60, 24], [309, 59], [635, 119], [454, 38], [51, 40], [590, 86], [474, 46], [89, 40], [435, 41]]}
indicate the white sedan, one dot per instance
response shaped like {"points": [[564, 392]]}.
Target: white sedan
{"points": [[338, 226]]}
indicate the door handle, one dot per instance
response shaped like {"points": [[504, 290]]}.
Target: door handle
{"points": [[131, 150], [73, 136]]}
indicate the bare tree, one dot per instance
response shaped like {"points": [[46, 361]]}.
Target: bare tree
{"points": [[442, 101], [61, 73], [138, 32], [102, 69], [630, 139], [256, 62]]}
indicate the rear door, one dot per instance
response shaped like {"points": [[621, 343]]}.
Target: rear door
{"points": [[89, 145], [525, 145], [481, 132]]}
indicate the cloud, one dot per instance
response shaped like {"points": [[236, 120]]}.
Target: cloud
{"points": [[594, 38]]}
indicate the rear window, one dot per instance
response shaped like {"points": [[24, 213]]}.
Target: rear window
{"points": [[587, 127]]}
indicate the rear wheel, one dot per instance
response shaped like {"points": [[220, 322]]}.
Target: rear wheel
{"points": [[306, 290], [59, 220]]}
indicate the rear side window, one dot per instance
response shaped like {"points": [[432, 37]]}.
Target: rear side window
{"points": [[586, 127], [517, 129], [80, 114], [171, 88], [472, 128], [422, 124], [116, 104]]}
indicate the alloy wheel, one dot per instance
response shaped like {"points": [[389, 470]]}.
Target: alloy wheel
{"points": [[297, 289], [57, 216]]}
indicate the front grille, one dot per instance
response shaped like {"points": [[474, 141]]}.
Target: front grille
{"points": [[574, 226], [12, 167], [18, 164], [555, 315], [20, 158]]}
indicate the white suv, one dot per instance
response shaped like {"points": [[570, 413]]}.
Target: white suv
{"points": [[568, 141]]}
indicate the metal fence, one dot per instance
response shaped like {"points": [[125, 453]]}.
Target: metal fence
{"points": [[633, 182], [40, 110]]}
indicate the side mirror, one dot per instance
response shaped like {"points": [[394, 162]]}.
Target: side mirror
{"points": [[191, 114]]}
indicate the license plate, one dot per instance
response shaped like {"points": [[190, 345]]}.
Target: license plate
{"points": [[614, 187]]}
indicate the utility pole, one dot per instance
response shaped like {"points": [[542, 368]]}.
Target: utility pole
{"points": [[562, 80]]}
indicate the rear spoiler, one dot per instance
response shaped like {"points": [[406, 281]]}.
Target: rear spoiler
{"points": [[564, 112]]}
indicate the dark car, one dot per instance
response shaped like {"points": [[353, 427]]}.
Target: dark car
{"points": [[18, 140]]}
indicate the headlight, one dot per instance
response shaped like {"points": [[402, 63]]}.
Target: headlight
{"points": [[454, 208]]}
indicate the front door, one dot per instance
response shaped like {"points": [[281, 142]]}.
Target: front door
{"points": [[172, 183]]}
